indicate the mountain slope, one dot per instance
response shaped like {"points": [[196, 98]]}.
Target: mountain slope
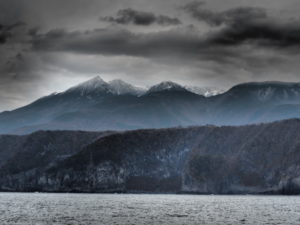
{"points": [[252, 159], [76, 99], [41, 149], [250, 102], [96, 105]]}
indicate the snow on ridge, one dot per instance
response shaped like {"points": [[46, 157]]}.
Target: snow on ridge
{"points": [[205, 91], [94, 85], [120, 87], [166, 85], [98, 85]]}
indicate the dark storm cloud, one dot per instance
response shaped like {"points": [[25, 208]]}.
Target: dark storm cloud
{"points": [[262, 34], [173, 47], [7, 31], [238, 15], [14, 41], [185, 40], [228, 53], [108, 41], [245, 25], [131, 16]]}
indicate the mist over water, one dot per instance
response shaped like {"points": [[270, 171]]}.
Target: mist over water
{"points": [[39, 208]]}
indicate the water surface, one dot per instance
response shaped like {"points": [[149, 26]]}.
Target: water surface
{"points": [[40, 208]]}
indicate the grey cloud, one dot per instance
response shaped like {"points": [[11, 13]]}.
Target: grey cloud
{"points": [[172, 43], [114, 41], [224, 53], [246, 25], [14, 41], [131, 16], [262, 34], [7, 31], [184, 45], [232, 16]]}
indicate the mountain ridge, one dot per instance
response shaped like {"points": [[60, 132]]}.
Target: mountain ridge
{"points": [[97, 105]]}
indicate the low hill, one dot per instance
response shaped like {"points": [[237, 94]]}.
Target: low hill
{"points": [[256, 159]]}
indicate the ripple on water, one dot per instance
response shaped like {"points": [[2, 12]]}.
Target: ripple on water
{"points": [[31, 208]]}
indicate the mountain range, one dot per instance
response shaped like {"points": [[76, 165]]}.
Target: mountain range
{"points": [[251, 159], [96, 105]]}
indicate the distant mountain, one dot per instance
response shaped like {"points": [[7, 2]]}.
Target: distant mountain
{"points": [[252, 159], [257, 102], [97, 105], [205, 91]]}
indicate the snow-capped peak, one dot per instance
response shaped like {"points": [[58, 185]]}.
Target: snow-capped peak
{"points": [[98, 86], [94, 85], [119, 87], [166, 86]]}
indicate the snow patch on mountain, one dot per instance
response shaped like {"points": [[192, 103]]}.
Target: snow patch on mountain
{"points": [[119, 87], [205, 91], [97, 86], [166, 86]]}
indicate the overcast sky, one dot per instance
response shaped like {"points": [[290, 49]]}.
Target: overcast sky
{"points": [[48, 46]]}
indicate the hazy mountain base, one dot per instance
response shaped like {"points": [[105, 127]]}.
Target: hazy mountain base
{"points": [[256, 159]]}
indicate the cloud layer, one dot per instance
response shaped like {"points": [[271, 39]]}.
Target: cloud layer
{"points": [[234, 16], [131, 16]]}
